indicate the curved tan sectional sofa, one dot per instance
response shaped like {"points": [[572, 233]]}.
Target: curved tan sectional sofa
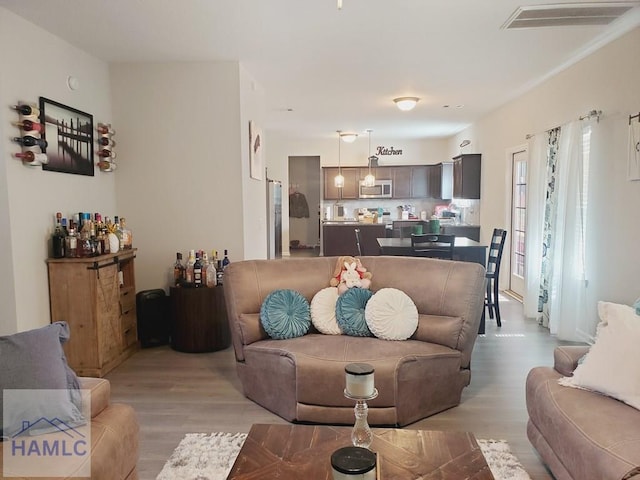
{"points": [[302, 379]]}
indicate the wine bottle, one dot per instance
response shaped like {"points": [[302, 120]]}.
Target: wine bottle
{"points": [[58, 238], [189, 269], [29, 141], [106, 141], [225, 260], [197, 271], [106, 153], [29, 156], [26, 110], [105, 129], [29, 126]]}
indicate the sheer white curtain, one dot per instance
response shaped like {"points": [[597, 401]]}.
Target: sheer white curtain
{"points": [[567, 281]]}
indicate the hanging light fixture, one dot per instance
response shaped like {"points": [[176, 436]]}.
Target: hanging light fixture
{"points": [[338, 180], [406, 103], [370, 179], [348, 137]]}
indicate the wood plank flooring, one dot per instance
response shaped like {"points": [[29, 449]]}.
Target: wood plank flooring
{"points": [[176, 393]]}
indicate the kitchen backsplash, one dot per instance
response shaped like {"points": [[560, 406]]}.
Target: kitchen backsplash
{"points": [[471, 208]]}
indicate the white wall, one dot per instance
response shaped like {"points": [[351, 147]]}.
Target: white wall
{"points": [[180, 170], [606, 80], [29, 196]]}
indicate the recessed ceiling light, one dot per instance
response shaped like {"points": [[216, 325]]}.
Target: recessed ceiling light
{"points": [[445, 106], [459, 106]]}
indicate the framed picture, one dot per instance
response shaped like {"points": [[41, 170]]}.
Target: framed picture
{"points": [[256, 164], [69, 136], [633, 161]]}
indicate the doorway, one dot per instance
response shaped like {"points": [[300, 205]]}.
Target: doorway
{"points": [[304, 206], [519, 161]]}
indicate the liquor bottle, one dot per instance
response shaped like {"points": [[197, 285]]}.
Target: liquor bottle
{"points": [[178, 270], [106, 141], [189, 269], [29, 141], [212, 278], [30, 156], [63, 222], [225, 260], [126, 237], [58, 238], [105, 129], [205, 266], [27, 110], [104, 153], [85, 244], [29, 126], [197, 271], [71, 244]]}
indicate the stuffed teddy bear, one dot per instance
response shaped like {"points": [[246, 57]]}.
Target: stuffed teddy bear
{"points": [[350, 273]]}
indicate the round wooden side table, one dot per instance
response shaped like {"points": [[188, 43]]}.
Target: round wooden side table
{"points": [[199, 319]]}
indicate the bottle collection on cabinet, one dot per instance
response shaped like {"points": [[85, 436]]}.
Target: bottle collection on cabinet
{"points": [[200, 270], [33, 146], [89, 235]]}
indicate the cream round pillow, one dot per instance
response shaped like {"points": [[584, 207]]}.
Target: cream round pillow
{"points": [[391, 314], [323, 311]]}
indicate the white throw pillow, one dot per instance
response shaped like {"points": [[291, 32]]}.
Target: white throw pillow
{"points": [[323, 311], [611, 366], [391, 314]]}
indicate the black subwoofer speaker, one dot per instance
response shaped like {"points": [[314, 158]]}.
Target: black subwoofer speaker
{"points": [[152, 307]]}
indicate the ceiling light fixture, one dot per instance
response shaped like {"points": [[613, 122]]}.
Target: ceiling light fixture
{"points": [[339, 4], [406, 103], [348, 137], [338, 180], [370, 179]]}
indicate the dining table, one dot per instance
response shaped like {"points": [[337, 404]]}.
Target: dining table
{"points": [[464, 249]]}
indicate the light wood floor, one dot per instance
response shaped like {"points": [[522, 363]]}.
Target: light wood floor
{"points": [[177, 393]]}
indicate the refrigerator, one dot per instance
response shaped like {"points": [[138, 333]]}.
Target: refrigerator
{"points": [[274, 219]]}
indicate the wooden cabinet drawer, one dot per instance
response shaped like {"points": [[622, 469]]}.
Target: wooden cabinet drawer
{"points": [[128, 322], [127, 301]]}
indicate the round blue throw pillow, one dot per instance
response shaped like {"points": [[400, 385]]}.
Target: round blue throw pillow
{"points": [[285, 314], [350, 312]]}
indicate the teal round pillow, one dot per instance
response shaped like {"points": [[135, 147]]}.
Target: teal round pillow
{"points": [[285, 314], [350, 312]]}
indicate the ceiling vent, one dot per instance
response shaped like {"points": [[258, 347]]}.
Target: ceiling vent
{"points": [[568, 14]]}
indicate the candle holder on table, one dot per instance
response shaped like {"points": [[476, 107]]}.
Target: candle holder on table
{"points": [[360, 387]]}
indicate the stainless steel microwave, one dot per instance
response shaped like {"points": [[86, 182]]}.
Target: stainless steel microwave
{"points": [[380, 189]]}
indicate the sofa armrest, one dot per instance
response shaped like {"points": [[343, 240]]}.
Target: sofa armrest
{"points": [[100, 393], [565, 358]]}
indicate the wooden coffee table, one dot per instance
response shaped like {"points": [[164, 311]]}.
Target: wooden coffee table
{"points": [[304, 452]]}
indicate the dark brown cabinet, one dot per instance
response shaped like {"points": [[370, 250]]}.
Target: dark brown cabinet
{"points": [[349, 191], [199, 319], [466, 176], [341, 239], [402, 182], [462, 231]]}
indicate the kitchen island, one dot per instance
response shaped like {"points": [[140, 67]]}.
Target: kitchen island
{"points": [[339, 238]]}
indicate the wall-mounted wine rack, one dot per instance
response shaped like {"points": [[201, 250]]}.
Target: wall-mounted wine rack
{"points": [[105, 150], [30, 137]]}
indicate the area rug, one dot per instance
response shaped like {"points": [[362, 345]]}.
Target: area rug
{"points": [[200, 456]]}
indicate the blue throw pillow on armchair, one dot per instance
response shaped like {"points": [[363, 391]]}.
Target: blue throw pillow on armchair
{"points": [[285, 314], [350, 312], [34, 360]]}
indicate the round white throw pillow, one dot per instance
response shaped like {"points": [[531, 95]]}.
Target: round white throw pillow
{"points": [[391, 314], [323, 311]]}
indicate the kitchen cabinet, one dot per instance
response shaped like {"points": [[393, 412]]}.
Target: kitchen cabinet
{"points": [[420, 181], [466, 176], [381, 173], [402, 182], [341, 239], [349, 191], [96, 296], [434, 179]]}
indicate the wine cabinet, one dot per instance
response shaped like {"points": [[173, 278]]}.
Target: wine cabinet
{"points": [[96, 296]]}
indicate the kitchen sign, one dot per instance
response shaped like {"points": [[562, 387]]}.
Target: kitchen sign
{"points": [[382, 150]]}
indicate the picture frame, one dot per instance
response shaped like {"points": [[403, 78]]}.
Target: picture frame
{"points": [[633, 160], [69, 135], [256, 162]]}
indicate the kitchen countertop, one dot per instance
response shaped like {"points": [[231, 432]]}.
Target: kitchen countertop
{"points": [[333, 223]]}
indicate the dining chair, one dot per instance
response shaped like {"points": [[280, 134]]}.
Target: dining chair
{"points": [[493, 271], [433, 245], [358, 245]]}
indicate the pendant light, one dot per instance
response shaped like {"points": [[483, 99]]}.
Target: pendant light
{"points": [[338, 180], [370, 179]]}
